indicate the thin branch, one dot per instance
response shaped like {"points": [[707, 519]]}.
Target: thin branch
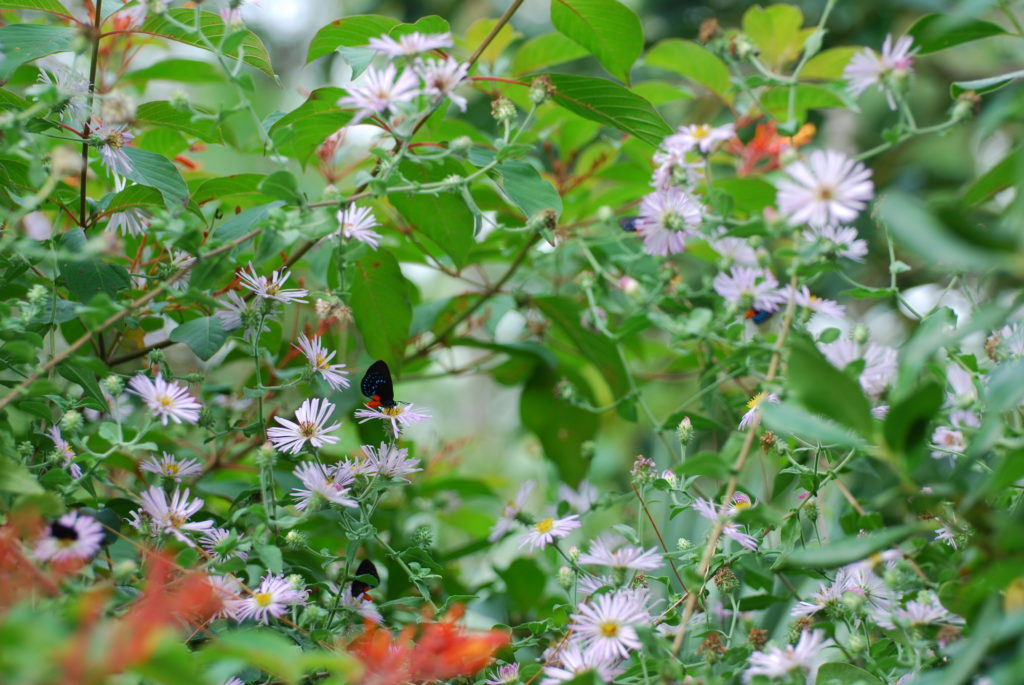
{"points": [[93, 62], [657, 532]]}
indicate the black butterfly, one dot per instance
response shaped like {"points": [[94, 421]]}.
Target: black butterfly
{"points": [[376, 385], [366, 568], [628, 223], [62, 532], [759, 316]]}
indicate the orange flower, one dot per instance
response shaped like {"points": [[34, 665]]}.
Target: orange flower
{"points": [[766, 146]]}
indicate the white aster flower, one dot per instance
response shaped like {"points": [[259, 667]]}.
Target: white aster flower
{"points": [[588, 585], [735, 250], [945, 534], [879, 362], [753, 412], [310, 424], [411, 44], [113, 139], [166, 400], [827, 594], [66, 451], [379, 91], [574, 661], [707, 509], [357, 223], [440, 77], [233, 312], [170, 466], [322, 482], [506, 673], [510, 511], [544, 532], [131, 221], [818, 305], [272, 598], [73, 536], [401, 415], [868, 68], [607, 624], [922, 611], [667, 218], [579, 500], [271, 288], [227, 591], [805, 656], [948, 443], [749, 287], [841, 241], [362, 605], [610, 549], [73, 86], [320, 359], [388, 461], [171, 517], [213, 542], [700, 137], [828, 188]]}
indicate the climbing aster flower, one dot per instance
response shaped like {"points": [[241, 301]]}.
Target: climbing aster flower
{"points": [[753, 413], [506, 673], [842, 241], [321, 482], [827, 188], [805, 656], [865, 583], [411, 44], [579, 500], [213, 540], [819, 305], [131, 221], [879, 362], [311, 417], [948, 443], [510, 511], [440, 77], [271, 288], [272, 598], [357, 223], [925, 610], [320, 359], [388, 461], [700, 137], [945, 534], [380, 91], [235, 312], [827, 594], [736, 250], [362, 605], [747, 286], [666, 219], [707, 509], [72, 86], [227, 591], [607, 624], [166, 400], [588, 585], [112, 154], [544, 532], [65, 450], [611, 550], [868, 68], [171, 517], [400, 415], [170, 466], [72, 536], [574, 661]]}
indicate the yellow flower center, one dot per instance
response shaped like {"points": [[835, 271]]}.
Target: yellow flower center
{"points": [[546, 526], [263, 599], [273, 288], [824, 193], [171, 468], [741, 504], [165, 400], [755, 400], [114, 139], [307, 430], [609, 629], [320, 362], [392, 411], [702, 131], [175, 520]]}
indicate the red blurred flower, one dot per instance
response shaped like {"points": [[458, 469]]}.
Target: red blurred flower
{"points": [[766, 146]]}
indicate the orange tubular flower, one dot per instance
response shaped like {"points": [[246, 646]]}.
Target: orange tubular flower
{"points": [[766, 146]]}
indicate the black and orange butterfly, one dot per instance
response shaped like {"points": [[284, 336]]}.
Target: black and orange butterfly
{"points": [[359, 588], [376, 385]]}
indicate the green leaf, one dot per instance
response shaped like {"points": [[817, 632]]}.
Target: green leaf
{"points": [[51, 6], [561, 428], [610, 104], [526, 189], [204, 336], [846, 550], [918, 229], [161, 113], [777, 31], [20, 43], [263, 648], [934, 32], [985, 85], [177, 70], [299, 132], [523, 578], [478, 32], [428, 24], [228, 186], [932, 333], [544, 51], [134, 197], [906, 424], [282, 186], [841, 673], [749, 195], [271, 557], [242, 223], [1008, 173], [825, 389], [15, 478], [380, 306], [693, 62], [790, 419], [829, 64], [775, 101], [212, 27], [444, 217], [609, 30], [352, 31], [156, 171], [77, 372], [89, 276]]}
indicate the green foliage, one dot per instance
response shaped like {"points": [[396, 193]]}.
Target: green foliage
{"points": [[608, 30]]}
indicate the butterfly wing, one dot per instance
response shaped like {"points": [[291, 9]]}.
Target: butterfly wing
{"points": [[376, 384], [366, 568], [628, 223]]}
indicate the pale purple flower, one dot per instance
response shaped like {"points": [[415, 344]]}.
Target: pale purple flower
{"points": [[880, 412], [675, 167], [171, 517], [945, 534], [310, 425], [227, 591], [579, 500], [388, 461], [440, 77], [72, 536], [753, 413], [112, 154], [607, 625], [411, 44], [842, 241], [749, 287], [322, 483], [545, 531], [271, 288], [233, 312], [573, 661], [588, 585], [827, 594], [610, 549], [819, 305], [71, 85], [65, 450], [805, 656], [707, 509], [925, 610], [699, 137], [271, 599], [357, 223], [320, 359], [379, 91], [165, 400], [510, 511], [879, 362], [948, 443], [506, 673], [868, 68], [212, 540], [736, 250], [170, 466], [1008, 341], [362, 605], [828, 188], [667, 218], [131, 221], [401, 415]]}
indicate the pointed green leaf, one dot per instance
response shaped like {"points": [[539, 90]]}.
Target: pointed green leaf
{"points": [[934, 32], [777, 32], [380, 306], [444, 217], [89, 276], [222, 187], [160, 113], [693, 62], [204, 336], [51, 6], [212, 27], [544, 51], [20, 43], [561, 427], [608, 103], [352, 31], [299, 132], [527, 190], [156, 171], [847, 550], [825, 389], [609, 30], [841, 673]]}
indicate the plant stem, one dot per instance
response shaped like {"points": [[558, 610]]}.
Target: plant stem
{"points": [[93, 62]]}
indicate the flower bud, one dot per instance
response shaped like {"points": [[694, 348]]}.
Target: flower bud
{"points": [[295, 539], [113, 385], [503, 110], [855, 643], [965, 105], [266, 457], [682, 544], [726, 580], [684, 431], [861, 334], [37, 293], [72, 421], [206, 418], [573, 554], [605, 214], [670, 477], [423, 536], [642, 471], [540, 90], [125, 569], [157, 357], [331, 193], [629, 285], [743, 47], [296, 581], [461, 144], [565, 577]]}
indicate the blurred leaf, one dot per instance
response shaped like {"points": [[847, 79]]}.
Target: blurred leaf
{"points": [[204, 336], [271, 557], [934, 32], [846, 550], [906, 424], [829, 64], [840, 673], [299, 132], [544, 51], [607, 28], [177, 70], [51, 6], [161, 113], [242, 223], [825, 389], [561, 427], [260, 647], [775, 101], [20, 43], [380, 306], [608, 103], [749, 195], [790, 419], [707, 464], [222, 187], [134, 197], [442, 217], [212, 27], [527, 190], [77, 372], [431, 23], [1008, 173], [88, 276], [156, 171], [985, 85], [350, 31], [524, 585], [479, 30], [15, 478], [777, 31], [282, 185], [693, 62], [931, 334]]}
